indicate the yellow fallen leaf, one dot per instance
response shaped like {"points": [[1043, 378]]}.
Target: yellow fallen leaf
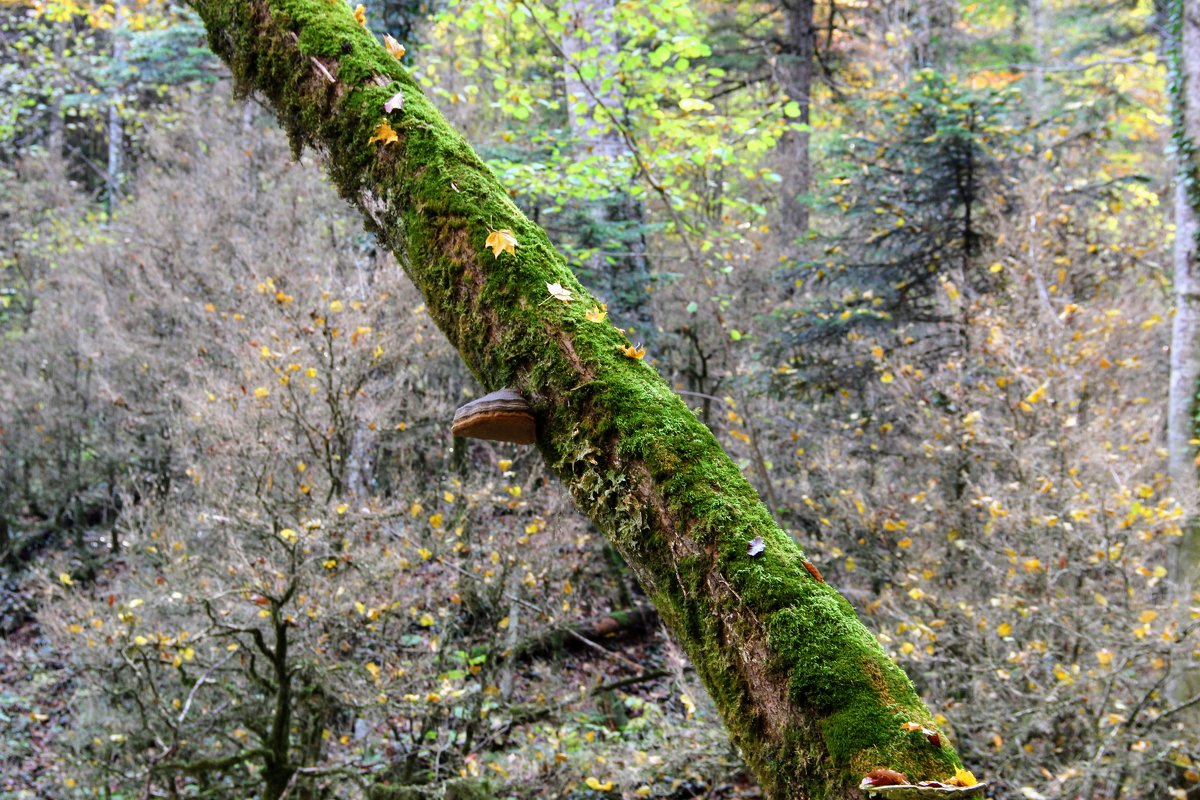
{"points": [[962, 777], [385, 134], [501, 241], [360, 15], [597, 314], [393, 47], [634, 351], [596, 786]]}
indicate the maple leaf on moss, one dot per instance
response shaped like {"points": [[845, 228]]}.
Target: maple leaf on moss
{"points": [[385, 134], [393, 47], [501, 241], [558, 292], [597, 314], [634, 351]]}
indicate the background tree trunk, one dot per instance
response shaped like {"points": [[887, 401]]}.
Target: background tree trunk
{"points": [[797, 77], [1184, 45], [807, 693], [1185, 333], [116, 132]]}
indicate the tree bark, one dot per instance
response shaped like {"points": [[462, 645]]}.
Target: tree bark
{"points": [[807, 693], [116, 131], [799, 40], [1185, 330], [1184, 46]]}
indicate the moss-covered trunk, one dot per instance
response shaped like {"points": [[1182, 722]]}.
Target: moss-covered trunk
{"points": [[806, 691]]}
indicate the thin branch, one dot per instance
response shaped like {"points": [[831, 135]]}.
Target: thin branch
{"points": [[316, 62], [187, 704]]}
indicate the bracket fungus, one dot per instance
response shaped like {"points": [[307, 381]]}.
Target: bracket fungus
{"points": [[883, 783], [501, 416]]}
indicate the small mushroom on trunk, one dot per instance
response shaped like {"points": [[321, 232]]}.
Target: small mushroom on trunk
{"points": [[501, 416]]}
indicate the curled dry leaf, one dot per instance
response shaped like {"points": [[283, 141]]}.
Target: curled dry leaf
{"points": [[634, 351], [360, 15], [757, 545], [393, 47], [394, 103], [884, 777], [501, 241]]}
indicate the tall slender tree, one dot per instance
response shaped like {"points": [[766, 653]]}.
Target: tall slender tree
{"points": [[796, 79], [116, 129], [1185, 333]]}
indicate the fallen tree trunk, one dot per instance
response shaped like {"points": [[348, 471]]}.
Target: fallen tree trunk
{"points": [[805, 690], [631, 622]]}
